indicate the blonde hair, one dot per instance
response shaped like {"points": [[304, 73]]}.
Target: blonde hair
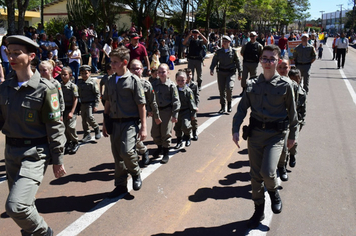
{"points": [[47, 64], [137, 62]]}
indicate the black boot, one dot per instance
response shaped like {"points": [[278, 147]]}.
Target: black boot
{"points": [[157, 152], [195, 136], [257, 216], [283, 173], [146, 158], [165, 157], [136, 182], [222, 110], [179, 143], [292, 161], [229, 109], [86, 137], [276, 202], [74, 149], [97, 133], [186, 138]]}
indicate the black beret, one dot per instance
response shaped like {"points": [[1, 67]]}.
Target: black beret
{"points": [[22, 40]]}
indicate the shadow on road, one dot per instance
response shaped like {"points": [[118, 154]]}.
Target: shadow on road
{"points": [[101, 176], [233, 178], [219, 193], [236, 228]]}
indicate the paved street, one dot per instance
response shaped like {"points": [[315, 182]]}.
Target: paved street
{"points": [[205, 189]]}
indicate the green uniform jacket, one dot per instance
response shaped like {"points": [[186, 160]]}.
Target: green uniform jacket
{"points": [[70, 90], [227, 60], [186, 98], [151, 104], [194, 87], [33, 111], [304, 55], [271, 101], [89, 91]]}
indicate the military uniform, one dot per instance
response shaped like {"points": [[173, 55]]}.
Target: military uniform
{"points": [[60, 93], [195, 58], [194, 87], [187, 110], [124, 93], [70, 91], [102, 83], [30, 119], [251, 53], [272, 111], [304, 57], [89, 98], [167, 99], [228, 63]]}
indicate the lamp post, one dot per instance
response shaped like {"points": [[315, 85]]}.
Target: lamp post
{"points": [[340, 23], [321, 25]]}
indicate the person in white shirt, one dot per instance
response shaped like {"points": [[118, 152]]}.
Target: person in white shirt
{"points": [[341, 46]]}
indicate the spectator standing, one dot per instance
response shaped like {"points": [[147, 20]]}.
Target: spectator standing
{"points": [[94, 52], [74, 56], [292, 37], [4, 52], [68, 30], [164, 52], [84, 49], [261, 39], [342, 45], [270, 39], [44, 45], [333, 45], [91, 34], [62, 44], [138, 51], [282, 44]]}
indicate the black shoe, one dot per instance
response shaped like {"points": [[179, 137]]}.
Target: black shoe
{"points": [[86, 138], [118, 191], [179, 143], [292, 161], [157, 152], [24, 233], [146, 158], [229, 109], [136, 182], [283, 173], [97, 133], [49, 232], [75, 147], [195, 136], [276, 202], [68, 147], [257, 216], [222, 110], [186, 138], [165, 157]]}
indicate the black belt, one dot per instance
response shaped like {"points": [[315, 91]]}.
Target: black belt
{"points": [[162, 108], [122, 120], [309, 63], [227, 70], [26, 142], [278, 125]]}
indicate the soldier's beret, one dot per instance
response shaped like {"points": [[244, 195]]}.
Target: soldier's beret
{"points": [[85, 67], [22, 40]]}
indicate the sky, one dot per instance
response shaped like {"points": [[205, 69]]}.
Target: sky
{"points": [[328, 6]]}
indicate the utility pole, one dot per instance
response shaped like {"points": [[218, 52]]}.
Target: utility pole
{"points": [[340, 24], [322, 12]]}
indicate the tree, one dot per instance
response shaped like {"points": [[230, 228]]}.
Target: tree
{"points": [[22, 6], [10, 5]]}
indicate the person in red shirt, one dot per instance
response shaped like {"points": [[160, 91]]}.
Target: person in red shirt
{"points": [[282, 44], [138, 51]]}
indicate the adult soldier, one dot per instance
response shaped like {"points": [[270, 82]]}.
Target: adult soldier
{"points": [[228, 62], [271, 99], [304, 55], [195, 58], [30, 119], [251, 53]]}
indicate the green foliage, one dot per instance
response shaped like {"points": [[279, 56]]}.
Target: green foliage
{"points": [[80, 12], [55, 25]]}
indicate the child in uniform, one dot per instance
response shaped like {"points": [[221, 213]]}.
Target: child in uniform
{"points": [[136, 68], [194, 87], [124, 107], [89, 98], [167, 99], [104, 80], [70, 95], [154, 75], [187, 110]]}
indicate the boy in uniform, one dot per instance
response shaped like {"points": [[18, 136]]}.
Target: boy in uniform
{"points": [[124, 108], [89, 98], [271, 100], [30, 120], [104, 80], [167, 99], [194, 87], [187, 111]]}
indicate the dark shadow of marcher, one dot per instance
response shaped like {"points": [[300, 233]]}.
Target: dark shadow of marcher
{"points": [[208, 114], [233, 178], [238, 164], [243, 151], [103, 166], [101, 176], [217, 193], [234, 229]]}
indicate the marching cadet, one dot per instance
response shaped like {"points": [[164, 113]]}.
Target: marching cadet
{"points": [[167, 99], [228, 62], [70, 94], [89, 98], [103, 81], [194, 87], [30, 120], [271, 100], [124, 108], [187, 111], [136, 68]]}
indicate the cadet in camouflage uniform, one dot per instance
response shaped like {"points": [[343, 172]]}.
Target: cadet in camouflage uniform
{"points": [[89, 98], [136, 68], [30, 120], [304, 55], [271, 100], [167, 99], [228, 62], [194, 87], [124, 108], [187, 111], [70, 94]]}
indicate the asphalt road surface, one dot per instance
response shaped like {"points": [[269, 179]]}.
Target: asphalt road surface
{"points": [[205, 189]]}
